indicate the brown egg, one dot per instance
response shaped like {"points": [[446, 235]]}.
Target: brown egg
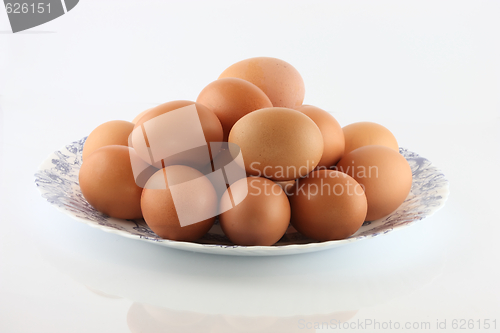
{"points": [[384, 174], [232, 98], [366, 133], [209, 121], [278, 143], [136, 119], [333, 136], [180, 139], [279, 80], [286, 185], [179, 203], [260, 214], [107, 182], [232, 171], [328, 205], [114, 132]]}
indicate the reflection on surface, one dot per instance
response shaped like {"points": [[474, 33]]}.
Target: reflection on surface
{"points": [[170, 287], [150, 318], [100, 293], [154, 319]]}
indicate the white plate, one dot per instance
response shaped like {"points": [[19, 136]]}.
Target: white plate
{"points": [[57, 180]]}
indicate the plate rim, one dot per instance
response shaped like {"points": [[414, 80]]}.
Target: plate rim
{"points": [[239, 250]]}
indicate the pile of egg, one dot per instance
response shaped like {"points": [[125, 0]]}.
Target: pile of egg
{"points": [[303, 170]]}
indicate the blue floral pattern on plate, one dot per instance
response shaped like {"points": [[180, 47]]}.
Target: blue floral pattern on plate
{"points": [[57, 180]]}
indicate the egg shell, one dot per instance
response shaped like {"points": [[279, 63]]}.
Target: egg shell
{"points": [[260, 214], [286, 185], [197, 157], [160, 211], [327, 205], [136, 119], [279, 80], [114, 132], [107, 182], [278, 143], [232, 98], [366, 133], [384, 174], [333, 136], [211, 125]]}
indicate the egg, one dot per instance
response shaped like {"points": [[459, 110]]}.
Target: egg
{"points": [[136, 119], [231, 170], [333, 136], [367, 133], [232, 98], [278, 143], [286, 185], [178, 139], [384, 174], [107, 182], [255, 211], [115, 132], [327, 205], [279, 80], [223, 158], [179, 203]]}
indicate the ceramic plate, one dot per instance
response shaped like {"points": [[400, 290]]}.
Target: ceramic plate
{"points": [[57, 180]]}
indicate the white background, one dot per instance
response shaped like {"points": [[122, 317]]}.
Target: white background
{"points": [[427, 70]]}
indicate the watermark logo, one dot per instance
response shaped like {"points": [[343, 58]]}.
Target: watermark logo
{"points": [[177, 138], [26, 14]]}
